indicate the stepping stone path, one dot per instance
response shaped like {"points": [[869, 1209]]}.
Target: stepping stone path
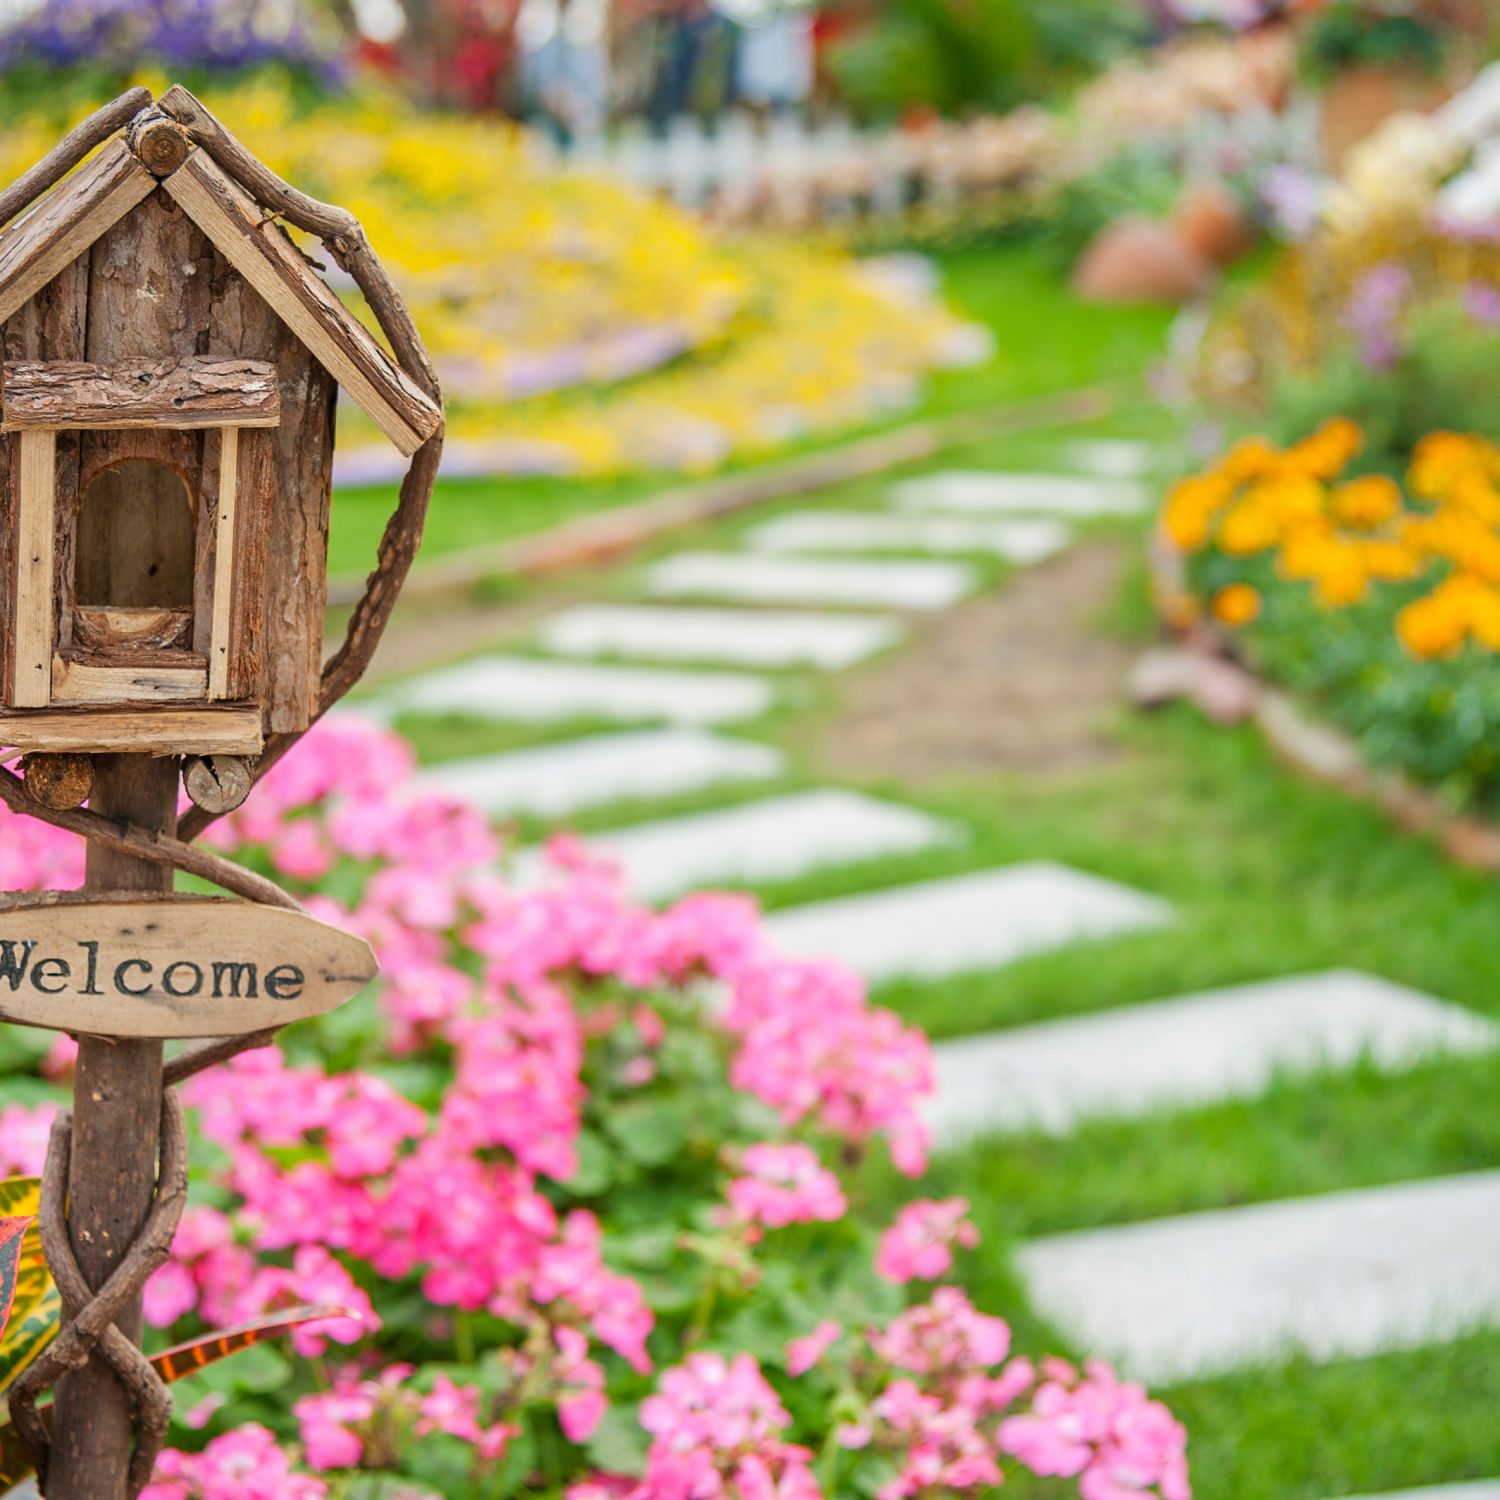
{"points": [[1337, 1275], [1037, 494], [917, 585], [1341, 1275], [734, 637], [966, 922], [1023, 540], [1481, 1489], [761, 842], [521, 690], [1113, 458], [555, 780], [1194, 1050]]}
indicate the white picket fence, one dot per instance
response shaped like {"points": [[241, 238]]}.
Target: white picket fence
{"points": [[788, 169]]}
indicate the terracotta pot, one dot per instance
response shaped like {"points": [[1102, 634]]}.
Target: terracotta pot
{"points": [[1362, 99], [1209, 221], [1140, 260]]}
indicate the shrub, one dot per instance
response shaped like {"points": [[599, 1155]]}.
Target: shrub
{"points": [[1381, 604], [581, 1173]]}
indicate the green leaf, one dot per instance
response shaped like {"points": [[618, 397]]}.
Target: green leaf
{"points": [[651, 1134], [28, 1334], [12, 1235], [619, 1443], [596, 1165], [171, 1364]]}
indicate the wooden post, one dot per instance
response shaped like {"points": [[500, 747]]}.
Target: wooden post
{"points": [[116, 1120]]}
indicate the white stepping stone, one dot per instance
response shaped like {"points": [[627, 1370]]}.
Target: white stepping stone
{"points": [[1342, 1275], [554, 780], [1023, 540], [1113, 458], [775, 839], [1479, 1489], [965, 922], [1196, 1049], [738, 637], [518, 689], [984, 490], [896, 584]]}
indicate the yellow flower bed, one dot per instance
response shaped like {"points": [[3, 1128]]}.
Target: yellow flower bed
{"points": [[1344, 537], [560, 308]]}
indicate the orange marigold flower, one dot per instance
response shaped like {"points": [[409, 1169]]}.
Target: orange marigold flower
{"points": [[1190, 509], [1367, 502], [1429, 628], [1342, 578], [1392, 562], [1249, 528], [1251, 458], [1328, 451], [1236, 604]]}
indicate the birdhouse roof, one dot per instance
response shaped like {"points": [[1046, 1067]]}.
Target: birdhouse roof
{"points": [[104, 189]]}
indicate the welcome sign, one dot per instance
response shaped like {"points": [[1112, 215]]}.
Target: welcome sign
{"points": [[175, 967]]}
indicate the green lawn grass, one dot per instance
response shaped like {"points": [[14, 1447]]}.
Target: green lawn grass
{"points": [[1269, 875], [1045, 341]]}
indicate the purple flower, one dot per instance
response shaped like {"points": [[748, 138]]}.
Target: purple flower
{"points": [[122, 35], [1482, 303], [1373, 313], [1294, 198]]}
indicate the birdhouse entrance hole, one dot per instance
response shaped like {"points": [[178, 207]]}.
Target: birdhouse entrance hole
{"points": [[136, 539]]}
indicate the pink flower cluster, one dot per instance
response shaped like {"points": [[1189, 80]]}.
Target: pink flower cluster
{"points": [[716, 1426], [23, 1138], [919, 1245], [785, 1184], [242, 1465], [1108, 1433]]}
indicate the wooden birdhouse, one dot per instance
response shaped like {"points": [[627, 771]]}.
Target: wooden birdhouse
{"points": [[171, 365]]}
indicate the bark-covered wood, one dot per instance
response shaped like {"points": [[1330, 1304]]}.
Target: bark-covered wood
{"points": [[186, 393], [160, 144], [259, 249], [398, 547], [277, 606], [36, 248], [116, 1116], [125, 837], [339, 230], [217, 783], [52, 326], [224, 729], [104, 630], [71, 150], [60, 782]]}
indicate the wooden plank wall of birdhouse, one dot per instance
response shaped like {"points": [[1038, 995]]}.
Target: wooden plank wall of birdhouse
{"points": [[151, 287], [53, 325], [300, 454], [148, 298]]}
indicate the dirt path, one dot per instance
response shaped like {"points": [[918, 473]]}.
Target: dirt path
{"points": [[1018, 680]]}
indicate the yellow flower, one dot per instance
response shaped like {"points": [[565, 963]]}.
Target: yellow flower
{"points": [[1328, 451], [1251, 458], [1342, 578], [1237, 604], [1191, 506], [1366, 503], [1249, 528], [1430, 627]]}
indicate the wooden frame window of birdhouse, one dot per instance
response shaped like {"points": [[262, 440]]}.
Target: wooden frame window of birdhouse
{"points": [[133, 614]]}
